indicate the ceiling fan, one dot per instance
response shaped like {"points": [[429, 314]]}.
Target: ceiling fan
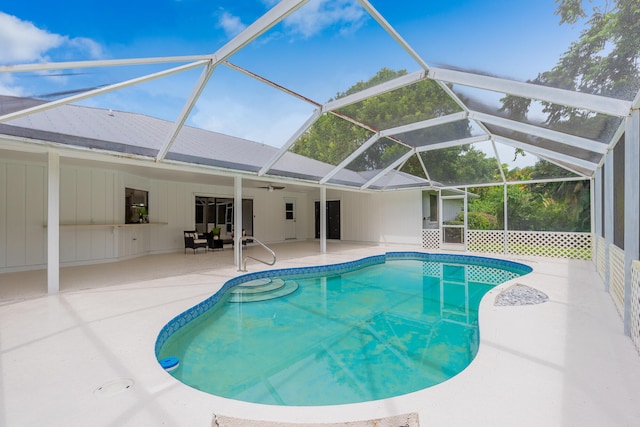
{"points": [[270, 187]]}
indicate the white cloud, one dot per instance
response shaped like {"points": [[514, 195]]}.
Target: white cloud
{"points": [[22, 41], [346, 15], [232, 25], [8, 87], [86, 45]]}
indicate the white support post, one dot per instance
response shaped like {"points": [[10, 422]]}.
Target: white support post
{"points": [[596, 212], [323, 220], [506, 220], [53, 223], [237, 221], [631, 208], [440, 218], [466, 219], [608, 213]]}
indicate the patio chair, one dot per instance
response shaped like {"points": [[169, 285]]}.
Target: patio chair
{"points": [[244, 239], [213, 239], [193, 241]]}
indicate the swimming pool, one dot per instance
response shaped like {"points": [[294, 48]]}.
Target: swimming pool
{"points": [[365, 330]]}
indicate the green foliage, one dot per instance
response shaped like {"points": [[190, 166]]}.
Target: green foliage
{"points": [[570, 11], [548, 206], [332, 138], [603, 61], [479, 220]]}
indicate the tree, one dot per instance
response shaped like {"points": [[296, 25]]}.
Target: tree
{"points": [[542, 206], [331, 139], [603, 61]]}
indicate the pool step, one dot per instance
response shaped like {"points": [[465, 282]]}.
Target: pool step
{"points": [[262, 290]]}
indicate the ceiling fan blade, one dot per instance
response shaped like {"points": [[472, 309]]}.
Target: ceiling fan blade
{"points": [[272, 187]]}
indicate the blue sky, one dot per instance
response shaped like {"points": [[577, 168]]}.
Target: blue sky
{"points": [[322, 49]]}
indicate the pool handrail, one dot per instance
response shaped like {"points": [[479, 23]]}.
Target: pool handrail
{"points": [[244, 261]]}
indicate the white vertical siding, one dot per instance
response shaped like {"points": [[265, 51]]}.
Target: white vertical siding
{"points": [[35, 211], [23, 214], [16, 210], [394, 217], [269, 214], [400, 216], [86, 197], [68, 191], [3, 215]]}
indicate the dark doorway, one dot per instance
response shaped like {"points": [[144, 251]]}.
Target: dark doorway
{"points": [[333, 219], [214, 212]]}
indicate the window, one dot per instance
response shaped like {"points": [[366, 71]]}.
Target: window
{"points": [[288, 210], [136, 206]]}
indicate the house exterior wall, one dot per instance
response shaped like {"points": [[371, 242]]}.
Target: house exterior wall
{"points": [[94, 197], [392, 217]]}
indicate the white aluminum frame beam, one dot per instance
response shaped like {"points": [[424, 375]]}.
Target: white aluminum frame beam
{"points": [[424, 124], [495, 153], [564, 166], [272, 84], [351, 158], [609, 186], [49, 66], [246, 36], [597, 204], [631, 209], [186, 110], [636, 101], [292, 139], [454, 143], [392, 32], [390, 132], [396, 36], [544, 152], [279, 12], [99, 91], [389, 86], [519, 182], [388, 168], [597, 103], [424, 168], [560, 137]]}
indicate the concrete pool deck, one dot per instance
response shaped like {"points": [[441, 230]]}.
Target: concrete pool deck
{"points": [[565, 362]]}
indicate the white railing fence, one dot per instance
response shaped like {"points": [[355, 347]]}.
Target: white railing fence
{"points": [[431, 238], [536, 243], [616, 277], [635, 304], [601, 257]]}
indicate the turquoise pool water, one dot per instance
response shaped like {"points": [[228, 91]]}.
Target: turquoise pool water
{"points": [[361, 331]]}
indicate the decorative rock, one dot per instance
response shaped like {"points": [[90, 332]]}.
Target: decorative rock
{"points": [[520, 294]]}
